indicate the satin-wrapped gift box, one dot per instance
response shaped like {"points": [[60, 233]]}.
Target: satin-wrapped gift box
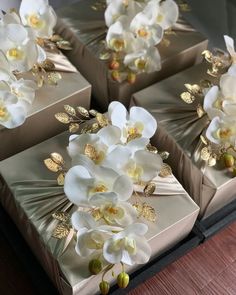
{"points": [[179, 132], [40, 123], [85, 28], [30, 195]]}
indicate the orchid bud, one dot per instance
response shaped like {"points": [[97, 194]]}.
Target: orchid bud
{"points": [[123, 280], [115, 75], [114, 65], [131, 78], [104, 287], [228, 160], [95, 266]]}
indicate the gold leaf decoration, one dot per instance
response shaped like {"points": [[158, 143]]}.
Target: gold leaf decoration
{"points": [[93, 113], [102, 120], [51, 165], [61, 179], [164, 155], [94, 127], [70, 110], [57, 158], [152, 149], [56, 38], [194, 89], [203, 139], [212, 161], [205, 83], [149, 189], [73, 127], [146, 211], [200, 111], [63, 118], [207, 55], [205, 154], [165, 170], [53, 78], [104, 55], [83, 112], [61, 231], [64, 45], [47, 65], [61, 216], [187, 97]]}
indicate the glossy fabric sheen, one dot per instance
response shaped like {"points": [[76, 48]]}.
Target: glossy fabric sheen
{"points": [[41, 124], [180, 128], [85, 29], [30, 195]]}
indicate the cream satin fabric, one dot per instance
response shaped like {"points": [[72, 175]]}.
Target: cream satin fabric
{"points": [[30, 194]]}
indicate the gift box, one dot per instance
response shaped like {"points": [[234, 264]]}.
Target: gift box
{"points": [[40, 123], [179, 132], [83, 25], [30, 195]]}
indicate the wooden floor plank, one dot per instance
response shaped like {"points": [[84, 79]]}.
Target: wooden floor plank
{"points": [[207, 270], [210, 269]]}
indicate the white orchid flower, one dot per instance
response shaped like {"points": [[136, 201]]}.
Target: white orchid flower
{"points": [[138, 123], [117, 8], [21, 52], [128, 246], [213, 101], [140, 166], [94, 146], [222, 130], [9, 18], [86, 180], [113, 210], [24, 90], [147, 60], [229, 42], [12, 112], [39, 16], [164, 13], [118, 37], [5, 72], [90, 235]]}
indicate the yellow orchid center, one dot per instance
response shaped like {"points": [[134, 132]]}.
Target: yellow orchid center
{"points": [[35, 21], [160, 18], [95, 242], [143, 33], [4, 115], [99, 188], [112, 212], [218, 103], [129, 245], [15, 54], [91, 152], [224, 133], [135, 131], [117, 44], [140, 64], [126, 3], [135, 172]]}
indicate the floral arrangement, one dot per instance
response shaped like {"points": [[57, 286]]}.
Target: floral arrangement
{"points": [[24, 36], [219, 104], [134, 29], [111, 167]]}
